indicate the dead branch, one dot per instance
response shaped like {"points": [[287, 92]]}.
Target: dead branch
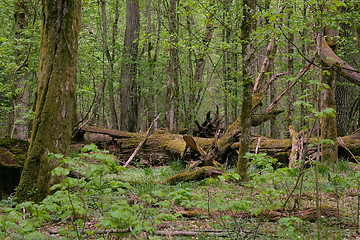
{"points": [[299, 75], [294, 143], [335, 62], [270, 51], [142, 141]]}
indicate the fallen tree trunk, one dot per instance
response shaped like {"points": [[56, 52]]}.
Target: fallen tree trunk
{"points": [[166, 146]]}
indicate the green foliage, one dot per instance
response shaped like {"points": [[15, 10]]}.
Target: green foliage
{"points": [[289, 227], [104, 198]]}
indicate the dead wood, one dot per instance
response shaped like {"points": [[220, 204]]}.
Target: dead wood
{"points": [[197, 175], [209, 127], [157, 232], [191, 143], [12, 156], [335, 62], [166, 146], [142, 141]]}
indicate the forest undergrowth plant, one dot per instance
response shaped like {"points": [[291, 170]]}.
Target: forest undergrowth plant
{"points": [[99, 197]]}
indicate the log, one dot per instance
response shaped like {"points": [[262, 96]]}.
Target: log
{"points": [[12, 156], [167, 146]]}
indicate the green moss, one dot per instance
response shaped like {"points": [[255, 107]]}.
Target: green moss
{"points": [[13, 152], [196, 175]]}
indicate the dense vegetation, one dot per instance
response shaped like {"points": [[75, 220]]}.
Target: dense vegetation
{"points": [[280, 69], [209, 64], [112, 202]]}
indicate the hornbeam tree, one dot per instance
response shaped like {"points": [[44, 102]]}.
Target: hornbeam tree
{"points": [[54, 113]]}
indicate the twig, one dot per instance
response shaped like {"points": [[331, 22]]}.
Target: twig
{"points": [[142, 142], [161, 233]]}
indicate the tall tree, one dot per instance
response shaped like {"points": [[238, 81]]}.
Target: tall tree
{"points": [[172, 105], [345, 93], [128, 76], [20, 99], [52, 127], [110, 55], [290, 67], [247, 53]]}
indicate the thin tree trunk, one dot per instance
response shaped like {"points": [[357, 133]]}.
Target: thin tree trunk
{"points": [[54, 111], [290, 69], [172, 107], [20, 100], [247, 53], [190, 104]]}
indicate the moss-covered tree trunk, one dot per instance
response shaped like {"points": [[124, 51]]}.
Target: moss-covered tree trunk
{"points": [[51, 132], [329, 151], [247, 53]]}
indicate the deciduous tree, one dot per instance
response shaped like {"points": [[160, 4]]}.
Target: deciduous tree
{"points": [[52, 127]]}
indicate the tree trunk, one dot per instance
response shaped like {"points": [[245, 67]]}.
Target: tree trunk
{"points": [[51, 132], [110, 76], [20, 100], [200, 61], [129, 89], [172, 107], [328, 123], [345, 93], [247, 26], [290, 69]]}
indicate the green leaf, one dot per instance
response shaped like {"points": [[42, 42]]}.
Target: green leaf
{"points": [[89, 148], [35, 235]]}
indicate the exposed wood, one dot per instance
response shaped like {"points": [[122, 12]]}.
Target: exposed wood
{"points": [[294, 148], [167, 145], [190, 142]]}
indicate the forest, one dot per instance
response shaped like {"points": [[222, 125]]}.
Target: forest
{"points": [[179, 119]]}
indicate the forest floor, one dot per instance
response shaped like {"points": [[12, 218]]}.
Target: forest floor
{"points": [[112, 202]]}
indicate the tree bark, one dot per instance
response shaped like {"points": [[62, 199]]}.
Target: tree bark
{"points": [[345, 92], [328, 123], [51, 132], [247, 53], [290, 70], [172, 146], [172, 105], [109, 57], [336, 63], [20, 100], [129, 88]]}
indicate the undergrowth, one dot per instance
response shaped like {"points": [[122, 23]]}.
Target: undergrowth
{"points": [[112, 202]]}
